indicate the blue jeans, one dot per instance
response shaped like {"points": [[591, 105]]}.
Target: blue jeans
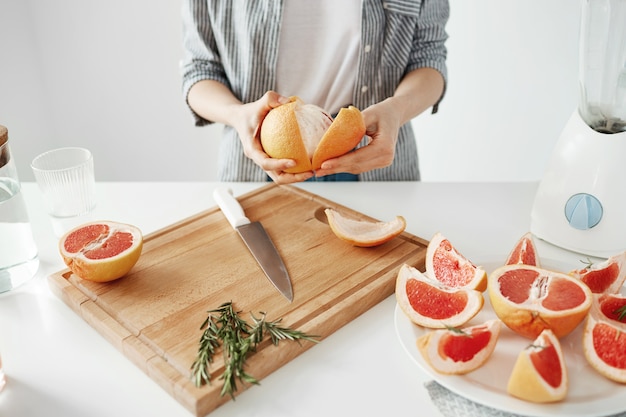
{"points": [[342, 176]]}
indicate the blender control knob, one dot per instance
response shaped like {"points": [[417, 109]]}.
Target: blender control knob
{"points": [[583, 211]]}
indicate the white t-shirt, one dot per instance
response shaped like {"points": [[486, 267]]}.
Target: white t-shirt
{"points": [[318, 52]]}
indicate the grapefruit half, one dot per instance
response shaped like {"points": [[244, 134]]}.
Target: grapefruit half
{"points": [[101, 251], [529, 300], [446, 265], [604, 336], [428, 303], [604, 277], [540, 373], [459, 351]]}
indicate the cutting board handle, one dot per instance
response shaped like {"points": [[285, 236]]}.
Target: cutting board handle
{"points": [[230, 207]]}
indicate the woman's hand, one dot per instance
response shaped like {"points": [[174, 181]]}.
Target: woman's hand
{"points": [[381, 126], [248, 125]]}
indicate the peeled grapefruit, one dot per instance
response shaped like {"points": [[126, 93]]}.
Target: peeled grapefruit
{"points": [[529, 299], [524, 252], [446, 265], [540, 373], [604, 336], [309, 135], [459, 351], [101, 251], [428, 303], [604, 277], [363, 232]]}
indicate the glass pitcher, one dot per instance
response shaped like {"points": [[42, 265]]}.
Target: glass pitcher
{"points": [[602, 65], [19, 260]]}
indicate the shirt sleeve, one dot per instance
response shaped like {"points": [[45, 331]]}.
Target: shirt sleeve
{"points": [[429, 48], [201, 59]]}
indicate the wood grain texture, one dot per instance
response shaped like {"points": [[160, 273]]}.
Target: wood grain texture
{"points": [[153, 315]]}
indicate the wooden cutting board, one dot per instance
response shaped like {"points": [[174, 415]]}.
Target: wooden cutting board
{"points": [[154, 314]]}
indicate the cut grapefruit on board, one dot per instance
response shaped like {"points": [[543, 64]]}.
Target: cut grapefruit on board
{"points": [[604, 337], [428, 303], [540, 373], [364, 233], [529, 299], [604, 277], [457, 351], [101, 251], [524, 252], [447, 265]]}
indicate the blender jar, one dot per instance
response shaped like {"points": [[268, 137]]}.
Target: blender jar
{"points": [[602, 71]]}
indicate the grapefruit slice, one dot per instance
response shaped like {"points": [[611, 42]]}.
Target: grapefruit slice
{"points": [[604, 336], [364, 233], [604, 277], [459, 351], [429, 303], [529, 299], [524, 252], [101, 251], [446, 265], [540, 373]]}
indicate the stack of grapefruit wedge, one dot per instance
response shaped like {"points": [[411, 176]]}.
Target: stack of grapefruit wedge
{"points": [[536, 304]]}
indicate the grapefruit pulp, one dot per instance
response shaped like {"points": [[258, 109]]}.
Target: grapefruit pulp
{"points": [[428, 303], [446, 265], [529, 300], [101, 251], [540, 373], [459, 351]]}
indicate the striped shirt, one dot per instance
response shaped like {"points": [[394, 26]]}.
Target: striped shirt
{"points": [[235, 42]]}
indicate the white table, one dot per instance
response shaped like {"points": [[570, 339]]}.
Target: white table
{"points": [[57, 365]]}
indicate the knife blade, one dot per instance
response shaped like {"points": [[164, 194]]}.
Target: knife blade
{"points": [[257, 240]]}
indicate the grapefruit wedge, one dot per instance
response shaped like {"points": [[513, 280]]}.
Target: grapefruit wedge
{"points": [[604, 277], [428, 303], [529, 300], [459, 351], [524, 252], [540, 373], [604, 336], [446, 265], [101, 251]]}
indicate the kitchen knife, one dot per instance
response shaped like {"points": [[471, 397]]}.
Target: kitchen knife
{"points": [[257, 240]]}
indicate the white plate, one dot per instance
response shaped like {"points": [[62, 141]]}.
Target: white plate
{"points": [[589, 394]]}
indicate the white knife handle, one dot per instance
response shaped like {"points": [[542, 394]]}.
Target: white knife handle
{"points": [[230, 207]]}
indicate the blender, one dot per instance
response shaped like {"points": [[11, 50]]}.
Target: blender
{"points": [[580, 204]]}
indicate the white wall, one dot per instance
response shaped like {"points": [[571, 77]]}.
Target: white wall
{"points": [[104, 75]]}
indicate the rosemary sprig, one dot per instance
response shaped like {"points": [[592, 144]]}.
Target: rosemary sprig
{"points": [[621, 312], [225, 327], [588, 263]]}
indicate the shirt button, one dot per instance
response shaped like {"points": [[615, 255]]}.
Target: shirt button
{"points": [[364, 89], [368, 48]]}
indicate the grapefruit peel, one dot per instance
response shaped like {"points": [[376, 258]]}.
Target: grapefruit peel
{"points": [[364, 233]]}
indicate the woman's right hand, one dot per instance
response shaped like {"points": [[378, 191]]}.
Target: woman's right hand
{"points": [[248, 122]]}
